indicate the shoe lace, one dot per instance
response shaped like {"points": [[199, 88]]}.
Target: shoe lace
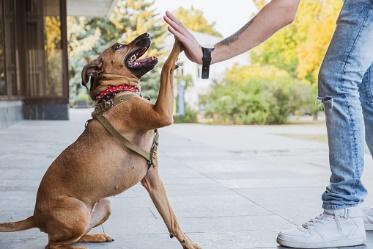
{"points": [[319, 220]]}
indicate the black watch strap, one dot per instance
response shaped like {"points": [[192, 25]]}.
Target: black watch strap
{"points": [[206, 62]]}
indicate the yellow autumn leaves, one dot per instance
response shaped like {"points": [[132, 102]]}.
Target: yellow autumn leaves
{"points": [[300, 47], [280, 81]]}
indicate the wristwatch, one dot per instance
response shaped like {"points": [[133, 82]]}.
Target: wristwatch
{"points": [[206, 62]]}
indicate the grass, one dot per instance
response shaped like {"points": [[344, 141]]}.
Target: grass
{"points": [[312, 137]]}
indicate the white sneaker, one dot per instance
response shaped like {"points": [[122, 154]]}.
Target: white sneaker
{"points": [[333, 228], [368, 219]]}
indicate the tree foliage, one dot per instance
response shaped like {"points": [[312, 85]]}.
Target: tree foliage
{"points": [[88, 37], [281, 80], [53, 37], [194, 20], [300, 47], [319, 24], [257, 95]]}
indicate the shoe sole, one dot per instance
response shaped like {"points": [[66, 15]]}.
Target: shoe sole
{"points": [[368, 227], [336, 243]]}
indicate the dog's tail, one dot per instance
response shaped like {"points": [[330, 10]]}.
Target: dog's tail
{"points": [[18, 225]]}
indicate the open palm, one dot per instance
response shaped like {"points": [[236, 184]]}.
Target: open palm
{"points": [[191, 46]]}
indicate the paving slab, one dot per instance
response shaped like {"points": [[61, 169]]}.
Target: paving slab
{"points": [[232, 187]]}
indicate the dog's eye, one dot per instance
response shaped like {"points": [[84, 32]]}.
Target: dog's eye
{"points": [[117, 46]]}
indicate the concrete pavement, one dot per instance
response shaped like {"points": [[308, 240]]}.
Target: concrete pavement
{"points": [[232, 187]]}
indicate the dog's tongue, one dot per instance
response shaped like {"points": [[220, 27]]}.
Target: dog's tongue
{"points": [[147, 59], [144, 61]]}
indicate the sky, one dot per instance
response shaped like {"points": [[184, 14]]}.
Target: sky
{"points": [[229, 16]]}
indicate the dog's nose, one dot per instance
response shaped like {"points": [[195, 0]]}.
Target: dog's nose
{"points": [[143, 40], [145, 35], [142, 37]]}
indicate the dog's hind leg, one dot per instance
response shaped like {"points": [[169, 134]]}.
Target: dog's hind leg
{"points": [[100, 213], [66, 222], [157, 192]]}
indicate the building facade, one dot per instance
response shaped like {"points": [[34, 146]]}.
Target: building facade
{"points": [[33, 60]]}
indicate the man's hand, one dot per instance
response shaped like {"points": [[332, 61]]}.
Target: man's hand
{"points": [[192, 49], [274, 16]]}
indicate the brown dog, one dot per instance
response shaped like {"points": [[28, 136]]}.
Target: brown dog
{"points": [[73, 195]]}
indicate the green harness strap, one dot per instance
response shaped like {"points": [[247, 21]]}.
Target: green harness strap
{"points": [[150, 157]]}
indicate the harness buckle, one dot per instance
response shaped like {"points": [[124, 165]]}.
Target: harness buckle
{"points": [[108, 103]]}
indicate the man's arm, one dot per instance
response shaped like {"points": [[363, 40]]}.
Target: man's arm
{"points": [[274, 16]]}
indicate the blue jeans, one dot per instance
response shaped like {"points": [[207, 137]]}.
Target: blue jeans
{"points": [[346, 90]]}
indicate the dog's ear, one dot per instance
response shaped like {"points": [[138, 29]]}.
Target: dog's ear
{"points": [[92, 69]]}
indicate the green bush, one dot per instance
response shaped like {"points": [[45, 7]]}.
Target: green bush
{"points": [[257, 95], [189, 117], [83, 97], [81, 101]]}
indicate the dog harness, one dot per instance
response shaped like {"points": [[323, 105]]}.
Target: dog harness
{"points": [[150, 157]]}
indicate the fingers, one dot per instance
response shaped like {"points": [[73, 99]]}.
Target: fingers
{"points": [[179, 32], [175, 25], [173, 18], [189, 43], [178, 35]]}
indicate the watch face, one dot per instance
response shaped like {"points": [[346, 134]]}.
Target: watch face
{"points": [[206, 55]]}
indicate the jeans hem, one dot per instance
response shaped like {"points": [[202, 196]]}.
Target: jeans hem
{"points": [[336, 207]]}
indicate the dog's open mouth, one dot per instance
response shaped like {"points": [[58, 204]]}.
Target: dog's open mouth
{"points": [[136, 59]]}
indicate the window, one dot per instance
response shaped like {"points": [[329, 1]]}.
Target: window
{"points": [[53, 49], [32, 51], [35, 67], [3, 89], [11, 84]]}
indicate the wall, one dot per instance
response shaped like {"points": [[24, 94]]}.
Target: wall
{"points": [[10, 112]]}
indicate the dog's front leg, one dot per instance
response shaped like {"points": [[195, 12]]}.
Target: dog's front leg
{"points": [[157, 192], [165, 100], [147, 116]]}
